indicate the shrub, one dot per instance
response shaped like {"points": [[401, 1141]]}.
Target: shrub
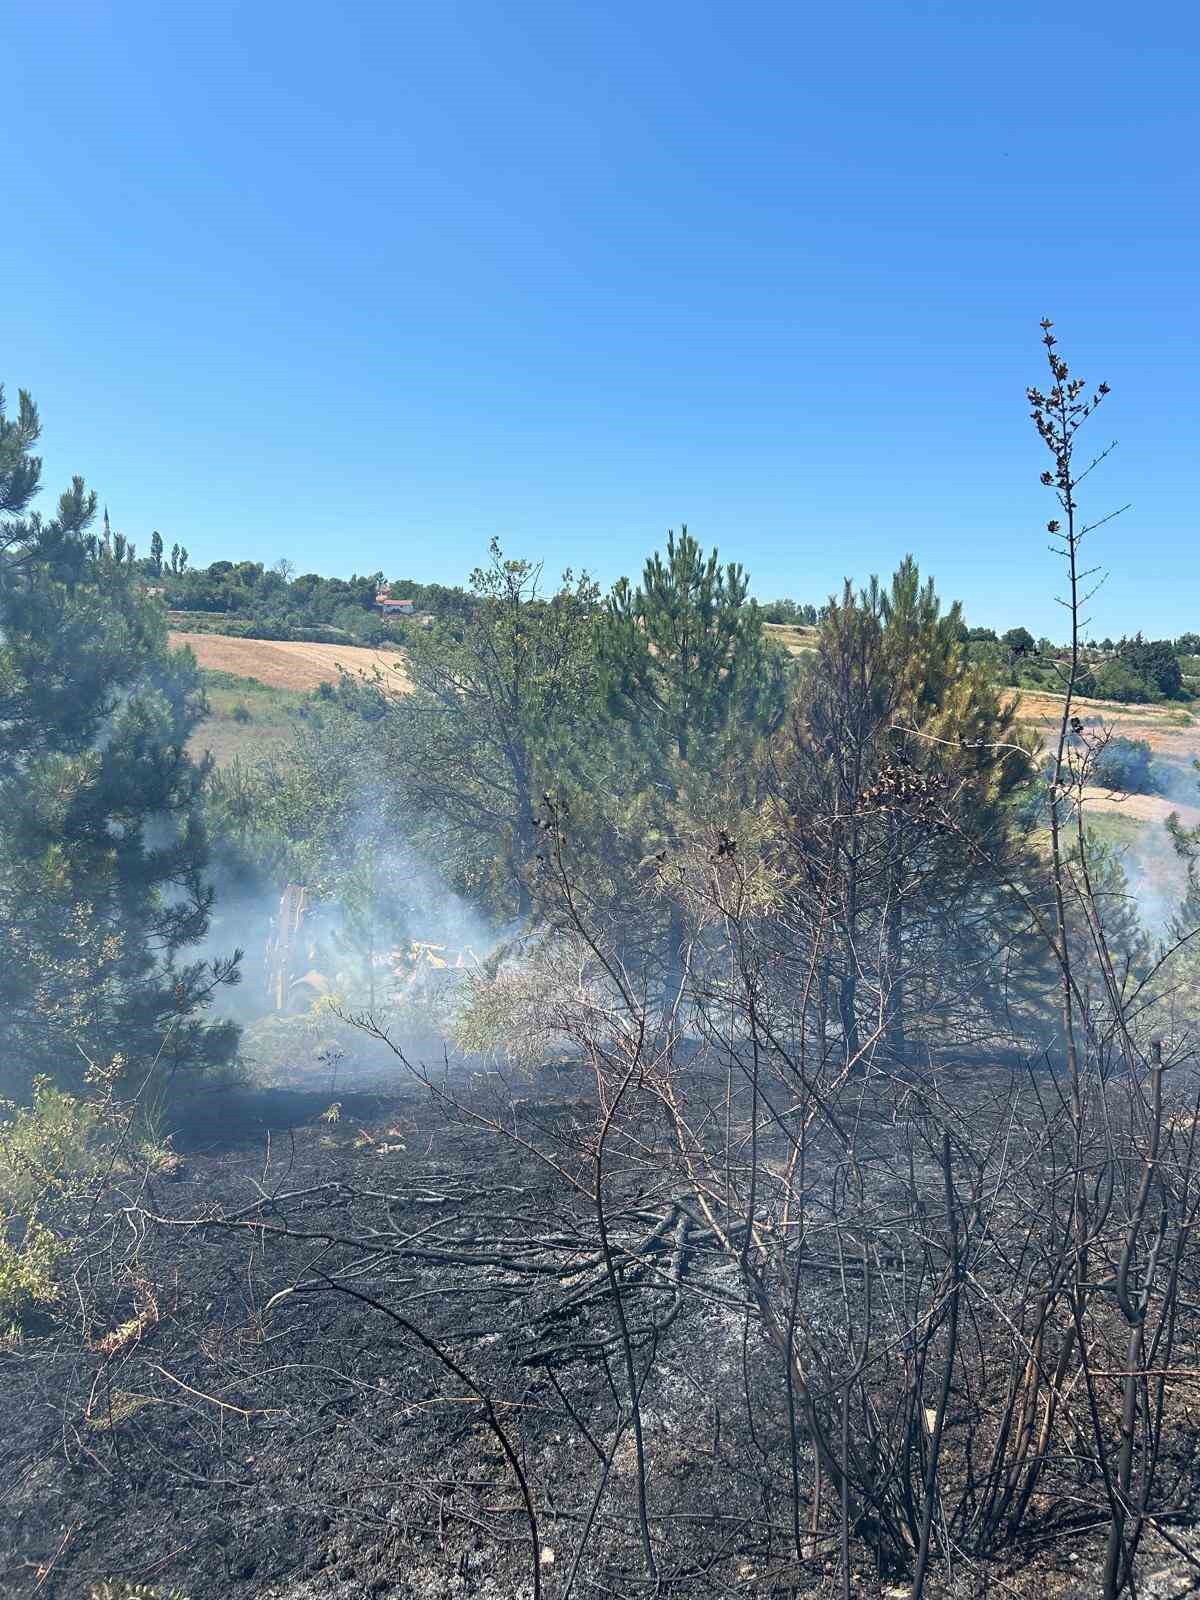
{"points": [[47, 1148], [285, 1044], [27, 1283], [241, 713], [1117, 681], [1126, 764]]}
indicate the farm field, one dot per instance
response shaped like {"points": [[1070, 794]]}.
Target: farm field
{"points": [[1169, 730], [288, 664], [246, 718], [1139, 808], [256, 688]]}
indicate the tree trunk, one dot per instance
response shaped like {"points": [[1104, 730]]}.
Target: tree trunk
{"points": [[848, 1010], [897, 997], [524, 846], [676, 943]]}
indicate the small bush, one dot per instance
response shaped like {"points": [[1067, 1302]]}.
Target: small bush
{"points": [[46, 1148], [157, 1157], [287, 1043], [27, 1283], [1126, 764], [241, 713]]}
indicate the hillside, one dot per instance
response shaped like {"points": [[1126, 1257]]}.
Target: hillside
{"points": [[289, 665], [257, 688], [796, 639], [1171, 731]]}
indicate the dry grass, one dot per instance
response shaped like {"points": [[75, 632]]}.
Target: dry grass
{"points": [[1169, 730], [1140, 807], [796, 640], [287, 664]]}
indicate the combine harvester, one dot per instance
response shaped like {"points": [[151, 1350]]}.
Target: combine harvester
{"points": [[419, 969]]}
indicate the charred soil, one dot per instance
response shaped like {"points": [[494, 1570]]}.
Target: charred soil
{"points": [[327, 1332]]}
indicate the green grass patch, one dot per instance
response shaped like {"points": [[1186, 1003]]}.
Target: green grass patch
{"points": [[246, 718], [1114, 827]]}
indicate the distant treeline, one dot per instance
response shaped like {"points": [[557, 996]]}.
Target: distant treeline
{"points": [[269, 602], [259, 601]]}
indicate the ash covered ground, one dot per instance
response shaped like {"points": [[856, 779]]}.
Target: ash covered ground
{"points": [[336, 1319]]}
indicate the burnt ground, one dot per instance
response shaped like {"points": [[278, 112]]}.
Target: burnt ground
{"points": [[236, 1445]]}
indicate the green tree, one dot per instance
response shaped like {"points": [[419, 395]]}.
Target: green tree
{"points": [[103, 851], [1154, 661], [951, 735], [499, 700], [156, 553], [1116, 680], [1019, 642], [687, 669], [1126, 764], [684, 658], [892, 786], [1115, 905]]}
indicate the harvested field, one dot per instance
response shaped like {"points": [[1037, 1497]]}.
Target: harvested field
{"points": [[1169, 730], [290, 664]]}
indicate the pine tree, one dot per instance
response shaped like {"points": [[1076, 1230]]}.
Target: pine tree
{"points": [[684, 658], [948, 723], [891, 790], [685, 666], [102, 844]]}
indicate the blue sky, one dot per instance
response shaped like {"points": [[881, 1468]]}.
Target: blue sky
{"points": [[365, 285]]}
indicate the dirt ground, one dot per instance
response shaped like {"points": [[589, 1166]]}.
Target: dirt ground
{"points": [[290, 664]]}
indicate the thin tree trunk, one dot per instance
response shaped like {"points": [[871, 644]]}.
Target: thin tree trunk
{"points": [[897, 998]]}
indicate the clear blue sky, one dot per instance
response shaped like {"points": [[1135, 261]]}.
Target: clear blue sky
{"points": [[364, 285]]}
